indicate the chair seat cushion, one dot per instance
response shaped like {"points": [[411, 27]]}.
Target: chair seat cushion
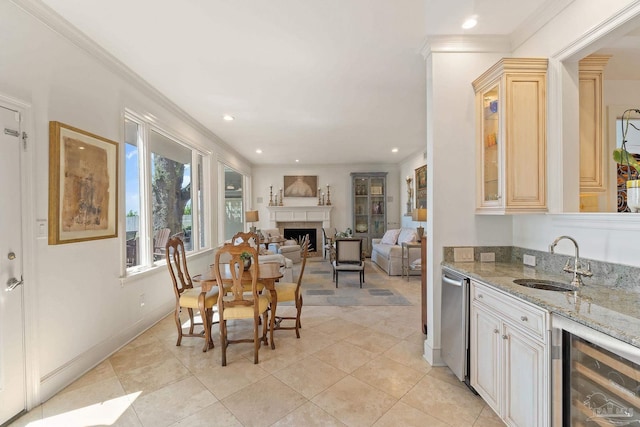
{"points": [[244, 311], [348, 267], [286, 291], [189, 298]]}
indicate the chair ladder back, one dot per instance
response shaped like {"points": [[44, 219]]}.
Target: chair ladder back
{"points": [[238, 276], [177, 265], [241, 237]]}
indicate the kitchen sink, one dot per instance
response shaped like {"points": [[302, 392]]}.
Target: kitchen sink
{"points": [[547, 285]]}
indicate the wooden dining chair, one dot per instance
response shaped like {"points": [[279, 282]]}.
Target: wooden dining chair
{"points": [[186, 295], [248, 237], [327, 246], [290, 291], [235, 303]]}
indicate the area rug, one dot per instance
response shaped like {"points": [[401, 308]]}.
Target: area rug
{"points": [[318, 287]]}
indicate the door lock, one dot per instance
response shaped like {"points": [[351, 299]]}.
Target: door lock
{"points": [[13, 283], [11, 256]]}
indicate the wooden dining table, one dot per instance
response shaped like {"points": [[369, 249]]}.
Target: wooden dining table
{"points": [[268, 274]]}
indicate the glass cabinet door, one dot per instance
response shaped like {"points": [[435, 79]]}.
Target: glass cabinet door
{"points": [[361, 205], [377, 207], [369, 207], [491, 144]]}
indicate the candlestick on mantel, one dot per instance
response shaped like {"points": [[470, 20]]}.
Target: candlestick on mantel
{"points": [[328, 196], [271, 195], [281, 204], [319, 197]]}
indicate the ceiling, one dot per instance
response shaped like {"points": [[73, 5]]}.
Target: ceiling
{"points": [[319, 81]]}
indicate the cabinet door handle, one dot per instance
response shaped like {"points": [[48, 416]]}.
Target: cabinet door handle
{"points": [[505, 337], [523, 318], [480, 296], [495, 331]]}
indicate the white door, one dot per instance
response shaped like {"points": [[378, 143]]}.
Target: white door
{"points": [[12, 361]]}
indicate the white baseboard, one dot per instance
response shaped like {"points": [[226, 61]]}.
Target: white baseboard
{"points": [[432, 355], [54, 381]]}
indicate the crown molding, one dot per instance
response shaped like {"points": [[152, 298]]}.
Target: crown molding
{"points": [[621, 22], [466, 44], [545, 13], [58, 24]]}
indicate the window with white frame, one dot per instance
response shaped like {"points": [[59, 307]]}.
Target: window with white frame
{"points": [[233, 202], [164, 193]]}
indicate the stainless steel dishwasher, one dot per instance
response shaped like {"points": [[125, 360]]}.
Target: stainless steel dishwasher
{"points": [[454, 318]]}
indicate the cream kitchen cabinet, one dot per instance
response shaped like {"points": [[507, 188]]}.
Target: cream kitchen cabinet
{"points": [[510, 357], [511, 137]]}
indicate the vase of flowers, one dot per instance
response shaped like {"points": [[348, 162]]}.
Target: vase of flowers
{"points": [[246, 259]]}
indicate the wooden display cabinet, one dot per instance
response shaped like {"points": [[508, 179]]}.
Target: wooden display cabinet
{"points": [[511, 137]]}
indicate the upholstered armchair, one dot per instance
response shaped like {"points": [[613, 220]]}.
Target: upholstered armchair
{"points": [[277, 244]]}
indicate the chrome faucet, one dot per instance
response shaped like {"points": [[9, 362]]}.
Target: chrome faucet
{"points": [[577, 270]]}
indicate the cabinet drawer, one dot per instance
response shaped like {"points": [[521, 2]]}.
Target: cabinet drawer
{"points": [[517, 312]]}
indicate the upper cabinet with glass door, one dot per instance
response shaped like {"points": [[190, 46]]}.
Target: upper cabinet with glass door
{"points": [[511, 137]]}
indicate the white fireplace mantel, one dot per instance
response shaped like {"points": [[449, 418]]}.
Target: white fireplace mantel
{"points": [[299, 214]]}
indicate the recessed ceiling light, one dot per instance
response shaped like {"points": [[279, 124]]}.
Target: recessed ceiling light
{"points": [[259, 151], [394, 150], [297, 160], [227, 117], [470, 22]]}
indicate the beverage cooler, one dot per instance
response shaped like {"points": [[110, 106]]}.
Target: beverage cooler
{"points": [[596, 378]]}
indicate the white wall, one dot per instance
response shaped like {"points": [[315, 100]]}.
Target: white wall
{"points": [[338, 177], [451, 174], [82, 311]]}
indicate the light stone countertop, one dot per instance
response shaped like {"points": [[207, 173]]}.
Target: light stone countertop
{"points": [[611, 310]]}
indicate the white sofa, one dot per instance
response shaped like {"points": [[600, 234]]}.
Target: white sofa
{"points": [[387, 251]]}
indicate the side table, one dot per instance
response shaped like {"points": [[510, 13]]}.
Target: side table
{"points": [[406, 267]]}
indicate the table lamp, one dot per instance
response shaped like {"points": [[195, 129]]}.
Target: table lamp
{"points": [[251, 216], [419, 215]]}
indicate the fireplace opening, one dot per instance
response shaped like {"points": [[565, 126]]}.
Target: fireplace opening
{"points": [[299, 233]]}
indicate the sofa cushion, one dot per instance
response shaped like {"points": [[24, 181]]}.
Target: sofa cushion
{"points": [[390, 237], [387, 251], [407, 235]]}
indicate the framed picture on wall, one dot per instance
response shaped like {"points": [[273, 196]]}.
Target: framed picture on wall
{"points": [[301, 186], [83, 185], [421, 187]]}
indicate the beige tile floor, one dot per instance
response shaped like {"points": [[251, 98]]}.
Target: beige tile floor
{"points": [[354, 366]]}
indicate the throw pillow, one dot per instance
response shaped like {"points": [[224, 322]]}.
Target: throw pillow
{"points": [[390, 237], [407, 235]]}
